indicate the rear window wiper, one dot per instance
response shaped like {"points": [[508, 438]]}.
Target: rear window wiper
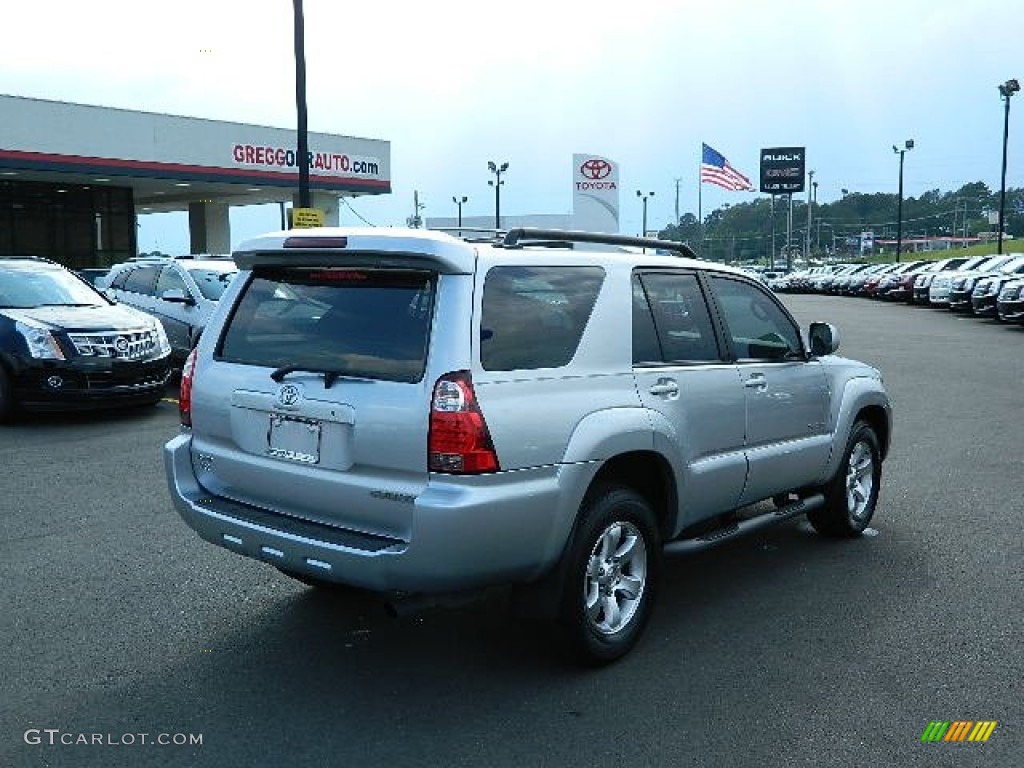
{"points": [[330, 375]]}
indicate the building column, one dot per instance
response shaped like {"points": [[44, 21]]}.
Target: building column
{"points": [[326, 202], [209, 227]]}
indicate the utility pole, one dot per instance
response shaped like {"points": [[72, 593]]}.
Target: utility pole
{"points": [[677, 201], [415, 221], [807, 234], [789, 235]]}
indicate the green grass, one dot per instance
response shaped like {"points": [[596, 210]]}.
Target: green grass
{"points": [[982, 249]]}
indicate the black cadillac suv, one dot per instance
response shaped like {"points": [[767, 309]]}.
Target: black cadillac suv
{"points": [[64, 345]]}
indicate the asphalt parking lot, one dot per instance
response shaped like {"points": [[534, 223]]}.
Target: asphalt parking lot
{"points": [[780, 649]]}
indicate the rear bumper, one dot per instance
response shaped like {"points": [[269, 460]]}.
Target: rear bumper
{"points": [[493, 529]]}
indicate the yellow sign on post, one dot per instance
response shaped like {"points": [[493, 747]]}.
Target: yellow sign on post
{"points": [[303, 218]]}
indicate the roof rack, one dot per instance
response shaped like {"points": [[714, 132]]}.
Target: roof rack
{"points": [[520, 236], [473, 234]]}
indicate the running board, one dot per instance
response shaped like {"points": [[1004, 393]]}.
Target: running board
{"points": [[739, 528]]}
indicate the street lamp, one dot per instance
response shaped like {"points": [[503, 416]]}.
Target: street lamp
{"points": [[459, 201], [642, 196], [1006, 90], [496, 182], [899, 206]]}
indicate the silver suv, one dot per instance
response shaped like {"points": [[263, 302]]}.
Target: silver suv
{"points": [[414, 414], [180, 292]]}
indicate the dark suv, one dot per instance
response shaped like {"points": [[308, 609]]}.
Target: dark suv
{"points": [[65, 345]]}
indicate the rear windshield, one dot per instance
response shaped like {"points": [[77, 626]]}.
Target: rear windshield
{"points": [[363, 323]]}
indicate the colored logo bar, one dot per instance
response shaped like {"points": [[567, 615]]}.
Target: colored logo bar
{"points": [[959, 730]]}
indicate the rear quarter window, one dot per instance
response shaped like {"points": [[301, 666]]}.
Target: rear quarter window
{"points": [[534, 317], [362, 323]]}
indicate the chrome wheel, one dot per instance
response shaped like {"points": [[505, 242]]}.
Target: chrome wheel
{"points": [[860, 480], [615, 578]]}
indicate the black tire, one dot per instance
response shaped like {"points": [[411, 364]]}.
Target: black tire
{"points": [[620, 585], [7, 404], [851, 496]]}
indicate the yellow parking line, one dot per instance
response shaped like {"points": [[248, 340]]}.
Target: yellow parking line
{"points": [[168, 400]]}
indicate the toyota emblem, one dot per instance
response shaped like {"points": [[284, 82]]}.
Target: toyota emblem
{"points": [[289, 395], [596, 168]]}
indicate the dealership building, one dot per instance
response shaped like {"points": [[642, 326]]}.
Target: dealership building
{"points": [[74, 177]]}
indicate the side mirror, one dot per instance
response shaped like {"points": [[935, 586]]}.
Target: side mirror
{"points": [[177, 296], [824, 338]]}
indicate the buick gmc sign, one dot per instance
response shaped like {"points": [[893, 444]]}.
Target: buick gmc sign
{"points": [[782, 170]]}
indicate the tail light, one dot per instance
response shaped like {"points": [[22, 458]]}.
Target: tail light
{"points": [[185, 396], [459, 441]]}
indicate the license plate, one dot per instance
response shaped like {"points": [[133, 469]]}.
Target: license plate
{"points": [[294, 439]]}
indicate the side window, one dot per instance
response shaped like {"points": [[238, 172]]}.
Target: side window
{"points": [[646, 348], [141, 280], [170, 280], [756, 324], [120, 278], [681, 318], [533, 317]]}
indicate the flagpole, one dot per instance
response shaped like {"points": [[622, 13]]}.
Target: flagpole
{"points": [[700, 208]]}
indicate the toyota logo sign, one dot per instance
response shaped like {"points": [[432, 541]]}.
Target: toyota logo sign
{"points": [[288, 395], [596, 168]]}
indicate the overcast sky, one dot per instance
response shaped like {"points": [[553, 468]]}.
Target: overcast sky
{"points": [[454, 84]]}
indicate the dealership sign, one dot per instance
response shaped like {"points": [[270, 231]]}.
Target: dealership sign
{"points": [[275, 158], [783, 169], [595, 193]]}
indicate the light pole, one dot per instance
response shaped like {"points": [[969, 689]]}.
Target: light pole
{"points": [[909, 144], [496, 182], [644, 198], [300, 102], [814, 202], [1006, 90], [459, 201]]}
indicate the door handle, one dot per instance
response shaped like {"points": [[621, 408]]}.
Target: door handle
{"points": [[756, 381], [664, 387]]}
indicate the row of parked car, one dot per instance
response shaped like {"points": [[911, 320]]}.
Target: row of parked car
{"points": [[986, 286]]}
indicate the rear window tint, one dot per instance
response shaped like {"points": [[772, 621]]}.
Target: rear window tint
{"points": [[364, 323], [533, 317]]}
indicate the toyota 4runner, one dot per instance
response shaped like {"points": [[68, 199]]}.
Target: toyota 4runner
{"points": [[411, 413]]}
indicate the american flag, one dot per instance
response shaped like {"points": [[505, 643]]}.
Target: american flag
{"points": [[715, 169]]}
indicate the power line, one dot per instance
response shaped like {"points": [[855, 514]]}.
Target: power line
{"points": [[357, 214]]}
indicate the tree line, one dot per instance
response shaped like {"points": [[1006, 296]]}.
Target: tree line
{"points": [[745, 231]]}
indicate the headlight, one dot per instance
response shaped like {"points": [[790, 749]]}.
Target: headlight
{"points": [[41, 343], [163, 346]]}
